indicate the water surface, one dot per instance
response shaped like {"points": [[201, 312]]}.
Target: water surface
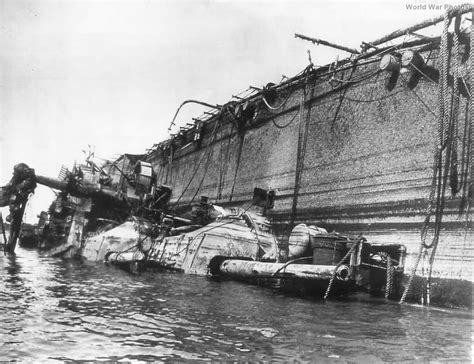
{"points": [[60, 310]]}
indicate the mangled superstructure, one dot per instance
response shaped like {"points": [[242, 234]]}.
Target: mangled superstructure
{"points": [[89, 198]]}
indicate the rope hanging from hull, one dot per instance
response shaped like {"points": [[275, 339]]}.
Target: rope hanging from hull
{"points": [[470, 151], [389, 277], [437, 160], [453, 175], [450, 128], [205, 155], [445, 161], [355, 245], [237, 165], [301, 149]]}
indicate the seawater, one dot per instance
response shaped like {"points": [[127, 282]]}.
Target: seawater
{"points": [[66, 310]]}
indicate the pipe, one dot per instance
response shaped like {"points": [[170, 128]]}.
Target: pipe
{"points": [[127, 257], [326, 43], [401, 32], [181, 220], [235, 268]]}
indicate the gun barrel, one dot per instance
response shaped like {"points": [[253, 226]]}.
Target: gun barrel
{"points": [[51, 182], [78, 190]]}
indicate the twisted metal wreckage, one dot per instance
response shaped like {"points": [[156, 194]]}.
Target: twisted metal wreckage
{"points": [[139, 211]]}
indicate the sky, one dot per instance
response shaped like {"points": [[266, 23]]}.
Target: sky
{"points": [[110, 74]]}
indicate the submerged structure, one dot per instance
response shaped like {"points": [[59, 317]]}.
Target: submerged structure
{"points": [[379, 143]]}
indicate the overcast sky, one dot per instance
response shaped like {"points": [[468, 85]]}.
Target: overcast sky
{"points": [[111, 73]]}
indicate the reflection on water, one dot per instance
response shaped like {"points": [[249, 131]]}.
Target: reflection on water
{"points": [[63, 310]]}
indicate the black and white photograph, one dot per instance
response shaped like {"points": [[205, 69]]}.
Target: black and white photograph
{"points": [[236, 181]]}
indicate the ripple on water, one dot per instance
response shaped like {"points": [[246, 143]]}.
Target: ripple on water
{"points": [[62, 310]]}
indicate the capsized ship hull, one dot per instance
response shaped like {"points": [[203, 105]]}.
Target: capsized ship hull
{"points": [[353, 146]]}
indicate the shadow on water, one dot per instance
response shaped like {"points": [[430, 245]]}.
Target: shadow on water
{"points": [[65, 310]]}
